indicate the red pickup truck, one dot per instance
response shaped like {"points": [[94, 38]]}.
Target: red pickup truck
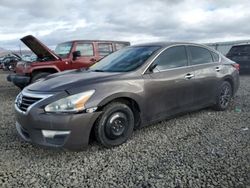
{"points": [[68, 55]]}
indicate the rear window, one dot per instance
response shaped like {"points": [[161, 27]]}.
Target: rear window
{"points": [[104, 49], [119, 46], [240, 49], [200, 55]]}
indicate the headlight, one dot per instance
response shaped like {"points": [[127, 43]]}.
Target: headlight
{"points": [[73, 103]]}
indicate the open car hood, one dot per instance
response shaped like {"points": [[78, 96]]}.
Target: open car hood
{"points": [[41, 50]]}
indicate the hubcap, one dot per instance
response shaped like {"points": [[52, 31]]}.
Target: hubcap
{"points": [[116, 125], [225, 96]]}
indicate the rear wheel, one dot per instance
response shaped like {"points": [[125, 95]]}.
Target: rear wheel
{"points": [[38, 76], [224, 96], [115, 125]]}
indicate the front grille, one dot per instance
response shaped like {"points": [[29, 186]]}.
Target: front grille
{"points": [[23, 102]]}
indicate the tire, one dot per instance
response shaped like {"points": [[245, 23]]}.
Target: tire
{"points": [[39, 75], [115, 126], [21, 88], [224, 96]]}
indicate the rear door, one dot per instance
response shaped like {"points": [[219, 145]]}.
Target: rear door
{"points": [[206, 67], [88, 56], [169, 89]]}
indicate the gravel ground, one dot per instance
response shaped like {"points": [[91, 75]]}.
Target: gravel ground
{"points": [[200, 149]]}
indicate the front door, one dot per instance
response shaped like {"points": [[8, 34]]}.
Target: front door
{"points": [[88, 56], [169, 88]]}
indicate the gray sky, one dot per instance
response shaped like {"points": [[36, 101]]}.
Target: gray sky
{"points": [[137, 21]]}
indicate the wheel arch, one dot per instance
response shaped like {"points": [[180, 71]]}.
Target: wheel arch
{"points": [[229, 79], [127, 99], [49, 70]]}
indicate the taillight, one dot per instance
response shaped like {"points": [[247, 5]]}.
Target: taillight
{"points": [[237, 66]]}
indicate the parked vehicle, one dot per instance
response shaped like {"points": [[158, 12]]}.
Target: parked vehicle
{"points": [[130, 88], [10, 61], [68, 55], [29, 57], [241, 55]]}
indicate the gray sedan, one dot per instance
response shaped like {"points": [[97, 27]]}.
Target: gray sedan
{"points": [[131, 88]]}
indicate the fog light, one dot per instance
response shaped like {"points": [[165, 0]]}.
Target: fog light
{"points": [[52, 134]]}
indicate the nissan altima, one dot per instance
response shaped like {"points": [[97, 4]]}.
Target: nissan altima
{"points": [[131, 88]]}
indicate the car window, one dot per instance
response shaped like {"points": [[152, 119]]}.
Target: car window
{"points": [[216, 57], [119, 46], [104, 49], [125, 60], [240, 49], [86, 49], [63, 49], [172, 58], [199, 55]]}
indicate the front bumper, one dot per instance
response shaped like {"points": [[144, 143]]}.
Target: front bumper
{"points": [[70, 131], [19, 80]]}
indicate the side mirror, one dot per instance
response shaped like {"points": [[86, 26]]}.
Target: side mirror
{"points": [[76, 54], [151, 68]]}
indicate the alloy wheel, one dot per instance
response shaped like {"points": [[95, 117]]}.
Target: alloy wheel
{"points": [[225, 96]]}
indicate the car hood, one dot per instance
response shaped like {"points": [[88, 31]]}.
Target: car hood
{"points": [[39, 48], [69, 79]]}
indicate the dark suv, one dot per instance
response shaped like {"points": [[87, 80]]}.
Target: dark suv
{"points": [[130, 88], [241, 55]]}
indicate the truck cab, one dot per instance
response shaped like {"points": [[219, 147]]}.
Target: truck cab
{"points": [[66, 56]]}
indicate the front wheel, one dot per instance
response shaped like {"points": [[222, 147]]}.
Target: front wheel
{"points": [[224, 96], [115, 125]]}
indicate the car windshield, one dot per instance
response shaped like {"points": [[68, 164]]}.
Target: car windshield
{"points": [[63, 49], [125, 60]]}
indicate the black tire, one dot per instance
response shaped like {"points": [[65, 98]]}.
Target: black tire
{"points": [[115, 126], [39, 75], [20, 87], [224, 96]]}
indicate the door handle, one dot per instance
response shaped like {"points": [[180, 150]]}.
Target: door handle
{"points": [[217, 69], [189, 76]]}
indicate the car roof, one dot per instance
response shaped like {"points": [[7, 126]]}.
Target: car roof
{"points": [[166, 44], [96, 41], [236, 45]]}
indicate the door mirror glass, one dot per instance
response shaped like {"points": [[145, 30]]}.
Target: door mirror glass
{"points": [[76, 54], [152, 68]]}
